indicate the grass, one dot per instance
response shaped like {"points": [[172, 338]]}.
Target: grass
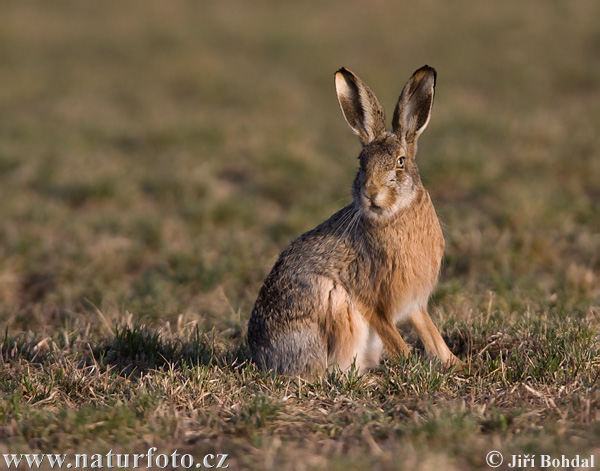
{"points": [[155, 159]]}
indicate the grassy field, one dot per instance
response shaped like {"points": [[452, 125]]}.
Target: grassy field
{"points": [[155, 158]]}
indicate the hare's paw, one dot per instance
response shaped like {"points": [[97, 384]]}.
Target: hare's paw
{"points": [[454, 364]]}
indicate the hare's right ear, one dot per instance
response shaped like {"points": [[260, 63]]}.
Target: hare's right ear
{"points": [[360, 107]]}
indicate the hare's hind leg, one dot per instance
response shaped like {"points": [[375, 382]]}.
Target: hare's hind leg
{"points": [[432, 339], [350, 340], [298, 352], [347, 337]]}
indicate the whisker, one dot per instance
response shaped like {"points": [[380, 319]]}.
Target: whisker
{"points": [[354, 217], [343, 220]]}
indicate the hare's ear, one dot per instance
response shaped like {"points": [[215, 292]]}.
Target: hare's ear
{"points": [[360, 107], [413, 110]]}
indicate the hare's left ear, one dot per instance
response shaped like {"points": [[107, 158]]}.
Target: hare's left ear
{"points": [[413, 110], [360, 106]]}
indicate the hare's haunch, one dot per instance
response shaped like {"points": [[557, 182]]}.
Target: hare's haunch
{"points": [[337, 292]]}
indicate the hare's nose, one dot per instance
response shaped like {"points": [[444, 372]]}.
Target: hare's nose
{"points": [[371, 190]]}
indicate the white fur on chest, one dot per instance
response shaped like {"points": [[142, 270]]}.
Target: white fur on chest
{"points": [[408, 307]]}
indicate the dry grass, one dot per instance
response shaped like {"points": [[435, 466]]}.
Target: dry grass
{"points": [[154, 160]]}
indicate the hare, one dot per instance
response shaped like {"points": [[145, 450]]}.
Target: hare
{"points": [[337, 292]]}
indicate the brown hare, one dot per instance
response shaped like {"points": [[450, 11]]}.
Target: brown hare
{"points": [[336, 293]]}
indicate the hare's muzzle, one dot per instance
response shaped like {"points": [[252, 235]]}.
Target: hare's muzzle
{"points": [[375, 195]]}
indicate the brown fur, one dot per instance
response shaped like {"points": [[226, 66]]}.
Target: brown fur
{"points": [[337, 292]]}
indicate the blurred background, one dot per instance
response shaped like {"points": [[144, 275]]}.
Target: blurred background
{"points": [[155, 157]]}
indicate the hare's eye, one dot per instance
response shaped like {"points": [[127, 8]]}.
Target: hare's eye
{"points": [[400, 162]]}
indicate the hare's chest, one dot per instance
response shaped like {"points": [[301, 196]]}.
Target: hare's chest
{"points": [[414, 272]]}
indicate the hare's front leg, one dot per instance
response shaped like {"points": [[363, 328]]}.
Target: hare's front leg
{"points": [[432, 339], [387, 331]]}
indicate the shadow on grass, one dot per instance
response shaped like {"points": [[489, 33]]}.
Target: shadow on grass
{"points": [[131, 351], [134, 350]]}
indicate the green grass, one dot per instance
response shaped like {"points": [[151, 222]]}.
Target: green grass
{"points": [[155, 158]]}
